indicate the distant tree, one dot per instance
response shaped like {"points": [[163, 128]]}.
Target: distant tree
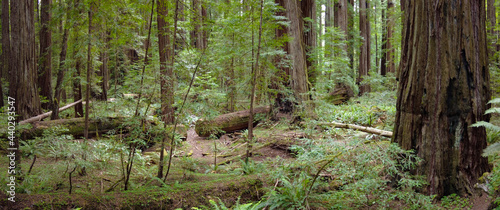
{"points": [[45, 59], [444, 89], [364, 56], [387, 60]]}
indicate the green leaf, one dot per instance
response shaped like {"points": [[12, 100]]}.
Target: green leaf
{"points": [[486, 125], [494, 101], [491, 150], [492, 110]]}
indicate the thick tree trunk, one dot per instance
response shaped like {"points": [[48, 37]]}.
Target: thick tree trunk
{"points": [[23, 81], [22, 71], [297, 51], [166, 70], [229, 122], [364, 56], [282, 77], [443, 90], [45, 67], [308, 9]]}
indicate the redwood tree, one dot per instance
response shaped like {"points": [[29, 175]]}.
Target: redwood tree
{"points": [[364, 56], [45, 67], [387, 60], [5, 45], [443, 90]]}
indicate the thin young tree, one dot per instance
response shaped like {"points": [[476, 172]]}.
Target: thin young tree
{"points": [[444, 89]]}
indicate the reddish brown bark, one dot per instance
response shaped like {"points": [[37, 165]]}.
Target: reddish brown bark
{"points": [[443, 90], [364, 56], [45, 60]]}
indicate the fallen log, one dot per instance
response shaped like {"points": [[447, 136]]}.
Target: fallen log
{"points": [[359, 128], [45, 115], [76, 126], [229, 122]]}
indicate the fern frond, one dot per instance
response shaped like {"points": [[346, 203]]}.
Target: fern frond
{"points": [[486, 125], [493, 110], [491, 150], [494, 101]]}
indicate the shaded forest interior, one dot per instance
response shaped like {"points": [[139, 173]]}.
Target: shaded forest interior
{"points": [[251, 104]]}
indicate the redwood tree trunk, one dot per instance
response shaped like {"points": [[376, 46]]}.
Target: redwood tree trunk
{"points": [[5, 45], [23, 85], [77, 86], [45, 67], [364, 56], [283, 75], [443, 90], [298, 54], [308, 8], [387, 61]]}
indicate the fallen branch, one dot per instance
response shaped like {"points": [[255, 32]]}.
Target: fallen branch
{"points": [[45, 115], [359, 128]]}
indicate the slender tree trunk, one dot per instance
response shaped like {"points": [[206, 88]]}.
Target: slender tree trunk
{"points": [[297, 51], [195, 21], [308, 10], [350, 38], [387, 60], [103, 69], [60, 75], [203, 32], [89, 72], [45, 67], [77, 86], [364, 57], [166, 73], [494, 46], [443, 90]]}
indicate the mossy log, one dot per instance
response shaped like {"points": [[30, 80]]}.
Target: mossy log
{"points": [[340, 94], [76, 126], [229, 122]]}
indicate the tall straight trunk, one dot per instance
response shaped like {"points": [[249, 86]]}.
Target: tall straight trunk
{"points": [[350, 38], [103, 69], [297, 51], [166, 72], [329, 22], [5, 45], [282, 77], [308, 10], [5, 38], [203, 32], [60, 76], [22, 71], [364, 56], [443, 90], [494, 46], [195, 22], [387, 60], [89, 72], [45, 59]]}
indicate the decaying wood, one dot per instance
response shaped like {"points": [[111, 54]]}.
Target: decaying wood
{"points": [[340, 94], [359, 128], [228, 122], [76, 126], [45, 115]]}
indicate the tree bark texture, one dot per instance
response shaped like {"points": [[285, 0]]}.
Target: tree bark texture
{"points": [[77, 86], [60, 76], [364, 56], [23, 74], [297, 51], [282, 77], [229, 122], [45, 59], [5, 38], [443, 90], [308, 10], [166, 71]]}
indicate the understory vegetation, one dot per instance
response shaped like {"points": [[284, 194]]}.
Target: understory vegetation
{"points": [[322, 167]]}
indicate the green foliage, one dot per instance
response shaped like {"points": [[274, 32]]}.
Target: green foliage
{"points": [[454, 201], [359, 174]]}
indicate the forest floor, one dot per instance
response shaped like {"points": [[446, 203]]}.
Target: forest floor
{"points": [[212, 173]]}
